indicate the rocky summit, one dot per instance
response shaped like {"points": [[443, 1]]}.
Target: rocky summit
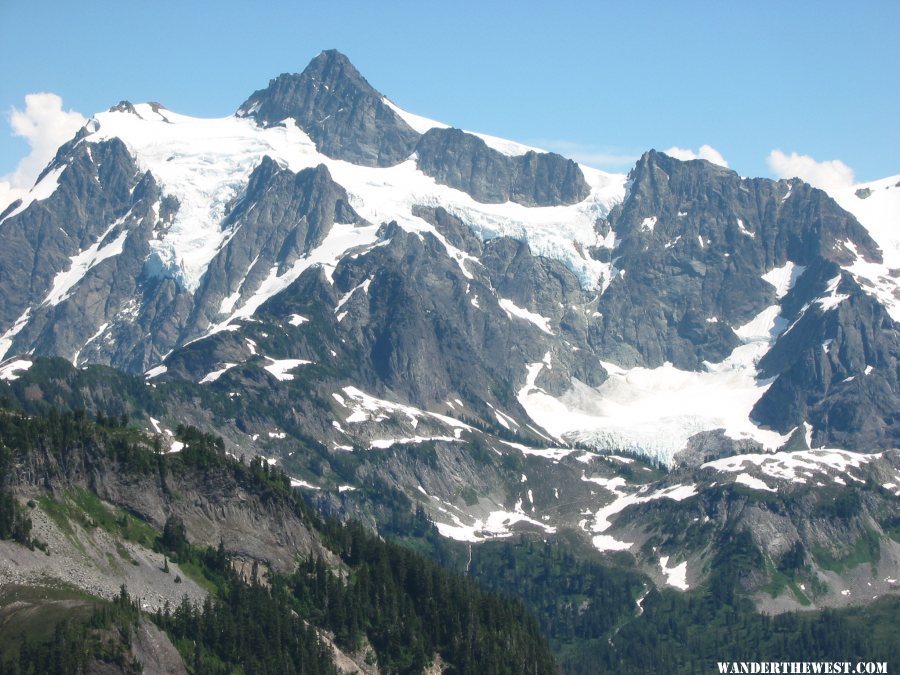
{"points": [[380, 304]]}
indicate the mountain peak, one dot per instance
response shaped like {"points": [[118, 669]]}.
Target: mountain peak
{"points": [[333, 68], [337, 107]]}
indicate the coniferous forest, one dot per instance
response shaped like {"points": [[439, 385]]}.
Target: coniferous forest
{"points": [[526, 606], [402, 608]]}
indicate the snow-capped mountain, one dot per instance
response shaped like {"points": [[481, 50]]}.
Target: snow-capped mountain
{"points": [[325, 268]]}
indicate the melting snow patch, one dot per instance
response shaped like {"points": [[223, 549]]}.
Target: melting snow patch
{"points": [[794, 466], [878, 214], [364, 286], [216, 374], [340, 239], [675, 576], [672, 243], [832, 298], [649, 223], [8, 370], [547, 453], [367, 408], [156, 371], [297, 320], [384, 443], [623, 500], [604, 542], [298, 482], [751, 482], [6, 339], [512, 310], [39, 192], [498, 524], [744, 229], [280, 368], [783, 278]]}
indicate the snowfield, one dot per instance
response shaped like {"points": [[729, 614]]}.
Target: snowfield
{"points": [[654, 411], [205, 164]]}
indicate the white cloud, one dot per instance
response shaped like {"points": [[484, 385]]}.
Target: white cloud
{"points": [[707, 152], [45, 126], [828, 175]]}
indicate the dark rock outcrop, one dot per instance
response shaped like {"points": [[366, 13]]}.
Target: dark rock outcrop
{"points": [[340, 111], [281, 217], [465, 162], [693, 241]]}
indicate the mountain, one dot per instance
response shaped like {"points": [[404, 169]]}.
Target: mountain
{"points": [[655, 363]]}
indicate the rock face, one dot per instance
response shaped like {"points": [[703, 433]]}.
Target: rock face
{"points": [[94, 189], [339, 110], [281, 217], [465, 162], [80, 261], [693, 241], [213, 504], [362, 273], [105, 297], [836, 369]]}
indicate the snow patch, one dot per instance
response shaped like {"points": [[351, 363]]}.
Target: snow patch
{"points": [[384, 443], [8, 371], [40, 191], [366, 408], [216, 374], [751, 482], [280, 368], [654, 411], [299, 482], [879, 213], [831, 298], [512, 309], [783, 278], [6, 339], [794, 466], [498, 524], [82, 263], [155, 371], [675, 576]]}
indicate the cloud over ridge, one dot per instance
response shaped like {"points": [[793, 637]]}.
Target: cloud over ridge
{"points": [[45, 126], [707, 152], [826, 175]]}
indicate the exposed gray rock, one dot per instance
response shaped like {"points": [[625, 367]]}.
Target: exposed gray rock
{"points": [[280, 217], [94, 190], [837, 369], [693, 241], [154, 651], [465, 162], [339, 110]]}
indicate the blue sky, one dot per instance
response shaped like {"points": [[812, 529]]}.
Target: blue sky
{"points": [[598, 81]]}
